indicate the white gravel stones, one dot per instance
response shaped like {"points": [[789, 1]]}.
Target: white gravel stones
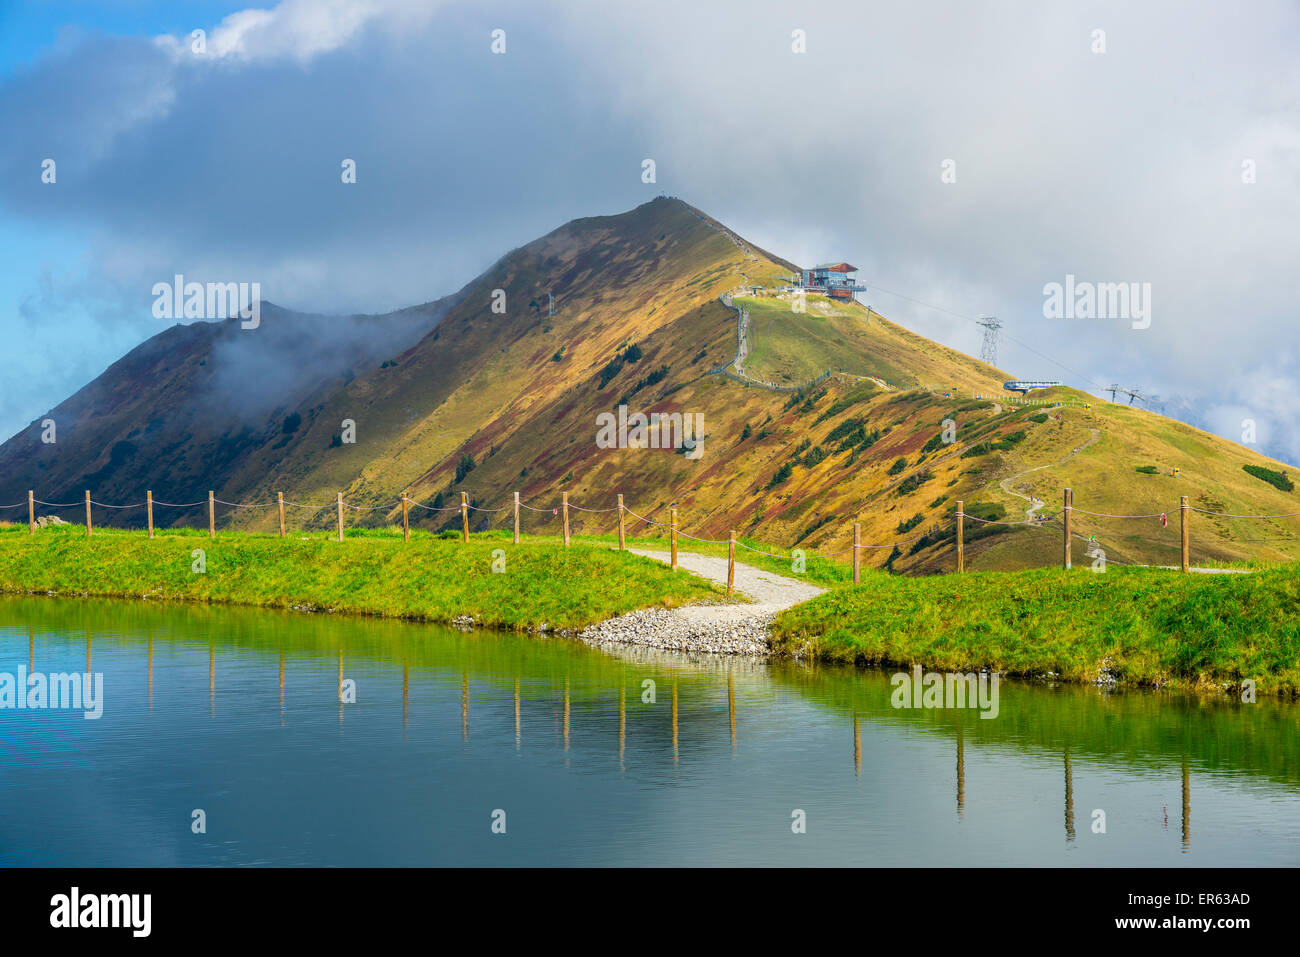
{"points": [[668, 628], [726, 629]]}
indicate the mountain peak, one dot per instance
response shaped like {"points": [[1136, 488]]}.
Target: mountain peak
{"points": [[816, 413]]}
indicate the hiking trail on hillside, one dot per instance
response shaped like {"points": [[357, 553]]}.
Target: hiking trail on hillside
{"points": [[1037, 503]]}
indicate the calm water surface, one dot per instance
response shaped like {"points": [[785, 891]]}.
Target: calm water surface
{"points": [[237, 712]]}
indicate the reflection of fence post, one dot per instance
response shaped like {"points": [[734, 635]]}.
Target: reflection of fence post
{"points": [[464, 517], [857, 552], [564, 501], [516, 518], [88, 513], [1186, 536], [961, 540], [212, 515], [279, 500], [1067, 502], [672, 536], [406, 518], [622, 543], [731, 561], [148, 507], [340, 508]]}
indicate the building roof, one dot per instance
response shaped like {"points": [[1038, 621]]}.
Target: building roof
{"points": [[837, 267]]}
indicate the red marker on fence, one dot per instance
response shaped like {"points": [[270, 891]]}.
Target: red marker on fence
{"points": [[1164, 520]]}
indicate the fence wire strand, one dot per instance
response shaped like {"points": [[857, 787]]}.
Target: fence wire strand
{"points": [[1083, 511]]}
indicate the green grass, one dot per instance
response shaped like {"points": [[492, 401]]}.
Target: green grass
{"points": [[1147, 627], [792, 348], [371, 573]]}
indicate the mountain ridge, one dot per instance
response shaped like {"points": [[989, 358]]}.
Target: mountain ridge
{"points": [[495, 390]]}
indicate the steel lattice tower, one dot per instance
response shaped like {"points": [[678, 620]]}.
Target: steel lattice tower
{"points": [[989, 347]]}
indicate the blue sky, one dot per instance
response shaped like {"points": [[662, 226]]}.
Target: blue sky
{"points": [[53, 356], [1119, 165], [29, 26]]}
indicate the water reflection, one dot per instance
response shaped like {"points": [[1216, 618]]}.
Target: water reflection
{"points": [[1069, 797], [628, 782], [961, 770], [857, 746]]}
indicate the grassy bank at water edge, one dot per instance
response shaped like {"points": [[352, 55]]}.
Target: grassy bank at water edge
{"points": [[1148, 627], [370, 573]]}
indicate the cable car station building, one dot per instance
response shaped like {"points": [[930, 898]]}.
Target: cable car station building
{"points": [[837, 280]]}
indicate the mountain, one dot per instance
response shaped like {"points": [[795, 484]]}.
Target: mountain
{"points": [[201, 406], [501, 388]]}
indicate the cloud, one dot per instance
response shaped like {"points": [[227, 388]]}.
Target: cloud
{"points": [[295, 29], [1119, 166]]}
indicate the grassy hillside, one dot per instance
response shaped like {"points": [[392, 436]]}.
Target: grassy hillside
{"points": [[496, 401], [521, 388], [792, 348]]}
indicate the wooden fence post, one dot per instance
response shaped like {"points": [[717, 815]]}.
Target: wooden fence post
{"points": [[564, 503], [212, 515], [1186, 534], [464, 517], [279, 499], [731, 561], [1066, 502], [340, 512], [961, 541], [516, 518], [857, 552], [31, 512], [406, 518], [88, 513], [622, 543], [672, 535], [148, 503]]}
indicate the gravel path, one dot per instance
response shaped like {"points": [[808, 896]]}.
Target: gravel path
{"points": [[726, 629]]}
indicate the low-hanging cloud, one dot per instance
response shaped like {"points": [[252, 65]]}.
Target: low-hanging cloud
{"points": [[1117, 166]]}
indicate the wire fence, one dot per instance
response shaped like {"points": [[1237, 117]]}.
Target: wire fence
{"points": [[1102, 537]]}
